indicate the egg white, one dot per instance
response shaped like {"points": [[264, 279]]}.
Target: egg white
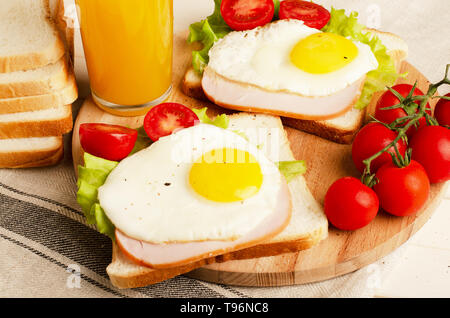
{"points": [[148, 195], [261, 57]]}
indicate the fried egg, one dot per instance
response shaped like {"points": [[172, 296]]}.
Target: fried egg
{"points": [[287, 56], [200, 183]]}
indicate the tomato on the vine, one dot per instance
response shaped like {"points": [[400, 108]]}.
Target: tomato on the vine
{"points": [[402, 191], [350, 205], [442, 111], [431, 148], [388, 99], [370, 139]]}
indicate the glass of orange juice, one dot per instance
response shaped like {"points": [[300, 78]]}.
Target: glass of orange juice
{"points": [[128, 48]]}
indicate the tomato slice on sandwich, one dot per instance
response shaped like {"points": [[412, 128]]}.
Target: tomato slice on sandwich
{"points": [[243, 15], [313, 15], [164, 119]]}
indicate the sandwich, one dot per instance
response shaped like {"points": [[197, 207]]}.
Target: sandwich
{"points": [[180, 203], [37, 84], [318, 80]]}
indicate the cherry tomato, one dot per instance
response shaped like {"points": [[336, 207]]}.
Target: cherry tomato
{"points": [[389, 99], [350, 205], [243, 15], [431, 148], [370, 139], [442, 111], [402, 191], [111, 142], [165, 118], [313, 15]]}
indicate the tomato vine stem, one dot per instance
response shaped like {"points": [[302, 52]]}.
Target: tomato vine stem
{"points": [[399, 126]]}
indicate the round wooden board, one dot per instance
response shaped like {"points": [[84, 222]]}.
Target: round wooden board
{"points": [[342, 252]]}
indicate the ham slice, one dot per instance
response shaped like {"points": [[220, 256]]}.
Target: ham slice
{"points": [[240, 96], [160, 256]]}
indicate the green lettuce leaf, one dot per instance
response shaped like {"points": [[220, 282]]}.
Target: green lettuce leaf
{"points": [[377, 80], [207, 32], [292, 169], [90, 177], [221, 121]]}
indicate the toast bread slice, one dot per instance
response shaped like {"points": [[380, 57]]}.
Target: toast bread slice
{"points": [[30, 152], [307, 227], [341, 129], [65, 96], [30, 38], [41, 123], [44, 80]]}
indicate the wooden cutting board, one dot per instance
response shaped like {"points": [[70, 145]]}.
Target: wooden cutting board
{"points": [[342, 252]]}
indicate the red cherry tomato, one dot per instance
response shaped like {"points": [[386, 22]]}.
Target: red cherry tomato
{"points": [[402, 191], [111, 142], [431, 148], [350, 205], [313, 15], [165, 118], [442, 111], [388, 99], [370, 139], [243, 15]]}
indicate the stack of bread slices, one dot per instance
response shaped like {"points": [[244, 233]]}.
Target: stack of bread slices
{"points": [[37, 86]]}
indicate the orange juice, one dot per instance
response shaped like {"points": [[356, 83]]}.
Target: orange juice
{"points": [[128, 47]]}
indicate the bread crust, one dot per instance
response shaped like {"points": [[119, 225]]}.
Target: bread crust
{"points": [[39, 86], [65, 96], [42, 128], [324, 130], [32, 158]]}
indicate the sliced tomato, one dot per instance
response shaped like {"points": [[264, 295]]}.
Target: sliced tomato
{"points": [[164, 119], [313, 15], [243, 15], [111, 142]]}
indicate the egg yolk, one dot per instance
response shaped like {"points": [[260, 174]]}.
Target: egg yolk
{"points": [[226, 175], [322, 53]]}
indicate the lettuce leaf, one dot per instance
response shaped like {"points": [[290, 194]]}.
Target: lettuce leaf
{"points": [[208, 32], [221, 121], [90, 177], [292, 169], [376, 80]]}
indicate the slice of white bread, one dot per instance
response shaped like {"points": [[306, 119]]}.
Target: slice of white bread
{"points": [[44, 80], [30, 152], [341, 129], [308, 224], [41, 123], [64, 96], [28, 36]]}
